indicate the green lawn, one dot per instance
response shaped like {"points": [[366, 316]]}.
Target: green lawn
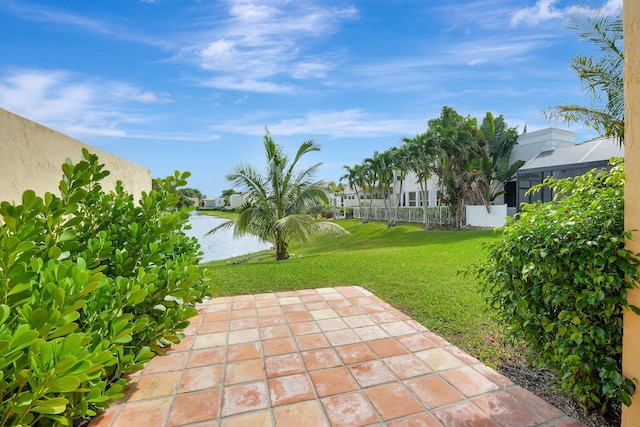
{"points": [[413, 270]]}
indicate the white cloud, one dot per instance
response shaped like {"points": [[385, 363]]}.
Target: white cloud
{"points": [[351, 123], [72, 104], [543, 10], [264, 42]]}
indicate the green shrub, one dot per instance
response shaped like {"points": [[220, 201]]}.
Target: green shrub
{"points": [[92, 285], [559, 277]]}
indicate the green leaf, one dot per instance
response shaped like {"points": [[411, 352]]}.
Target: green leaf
{"points": [[4, 313], [64, 384]]}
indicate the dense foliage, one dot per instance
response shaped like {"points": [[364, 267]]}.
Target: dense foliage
{"points": [[559, 276], [92, 285]]}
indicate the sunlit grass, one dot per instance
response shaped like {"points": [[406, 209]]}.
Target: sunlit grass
{"points": [[413, 270]]}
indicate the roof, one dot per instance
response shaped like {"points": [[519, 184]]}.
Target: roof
{"points": [[597, 150]]}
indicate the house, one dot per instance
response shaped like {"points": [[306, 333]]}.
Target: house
{"points": [[564, 162], [212, 203], [236, 200]]}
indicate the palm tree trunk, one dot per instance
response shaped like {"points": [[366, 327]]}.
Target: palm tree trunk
{"points": [[281, 247]]}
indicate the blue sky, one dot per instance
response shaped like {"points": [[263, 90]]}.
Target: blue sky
{"points": [[190, 84]]}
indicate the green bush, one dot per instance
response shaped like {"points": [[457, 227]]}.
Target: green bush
{"points": [[559, 277], [92, 286]]}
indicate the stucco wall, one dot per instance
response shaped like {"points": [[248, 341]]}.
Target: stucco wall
{"points": [[631, 341], [31, 156]]}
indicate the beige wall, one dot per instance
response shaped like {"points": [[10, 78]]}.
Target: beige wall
{"points": [[31, 156], [631, 340]]}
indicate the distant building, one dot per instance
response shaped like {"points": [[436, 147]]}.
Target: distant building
{"points": [[236, 200], [212, 203]]}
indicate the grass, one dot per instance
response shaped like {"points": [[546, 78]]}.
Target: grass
{"points": [[413, 270]]}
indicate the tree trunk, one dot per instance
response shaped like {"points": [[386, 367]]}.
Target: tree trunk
{"points": [[281, 247]]}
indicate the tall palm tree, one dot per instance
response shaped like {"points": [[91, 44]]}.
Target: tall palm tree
{"points": [[277, 203], [423, 153], [600, 75], [355, 180]]}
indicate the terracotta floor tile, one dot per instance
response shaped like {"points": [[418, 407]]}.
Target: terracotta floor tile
{"points": [[304, 328], [355, 353], [569, 422], [242, 314], [194, 407], [463, 414], [298, 308], [318, 305], [206, 356], [397, 329], [361, 300], [185, 344], [244, 335], [237, 298], [330, 296], [298, 316], [290, 389], [246, 323], [349, 410], [193, 327], [284, 364], [507, 410], [469, 381], [332, 324], [244, 351], [312, 342], [419, 420], [371, 373], [104, 418], [350, 310], [342, 337], [155, 385], [393, 401], [213, 307], [542, 406], [150, 413], [210, 340], [241, 305], [342, 302], [324, 314], [387, 347], [278, 346], [370, 333], [213, 327], [201, 378], [244, 398], [416, 342], [384, 317], [289, 300], [436, 338], [311, 298], [286, 294], [272, 320], [255, 419], [277, 331], [333, 381], [494, 376], [324, 291], [462, 355], [271, 302], [244, 371], [269, 311], [321, 359], [433, 391], [166, 363], [407, 366], [358, 321], [371, 308], [307, 414], [439, 359], [216, 316]]}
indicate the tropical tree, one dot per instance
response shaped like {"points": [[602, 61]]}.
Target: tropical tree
{"points": [[355, 179], [278, 201], [601, 75], [497, 141]]}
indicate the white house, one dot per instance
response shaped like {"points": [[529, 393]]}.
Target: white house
{"points": [[212, 203]]}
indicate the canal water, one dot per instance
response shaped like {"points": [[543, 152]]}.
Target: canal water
{"points": [[221, 244]]}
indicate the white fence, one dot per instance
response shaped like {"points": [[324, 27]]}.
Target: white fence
{"points": [[437, 215], [477, 216]]}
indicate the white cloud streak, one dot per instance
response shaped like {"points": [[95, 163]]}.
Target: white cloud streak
{"points": [[546, 10]]}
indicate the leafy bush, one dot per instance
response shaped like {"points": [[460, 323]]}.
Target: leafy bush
{"points": [[92, 285], [559, 278]]}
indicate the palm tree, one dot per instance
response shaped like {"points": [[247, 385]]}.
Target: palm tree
{"points": [[600, 75], [422, 153], [277, 203], [355, 180]]}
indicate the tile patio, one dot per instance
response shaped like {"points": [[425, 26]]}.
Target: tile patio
{"points": [[338, 357]]}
